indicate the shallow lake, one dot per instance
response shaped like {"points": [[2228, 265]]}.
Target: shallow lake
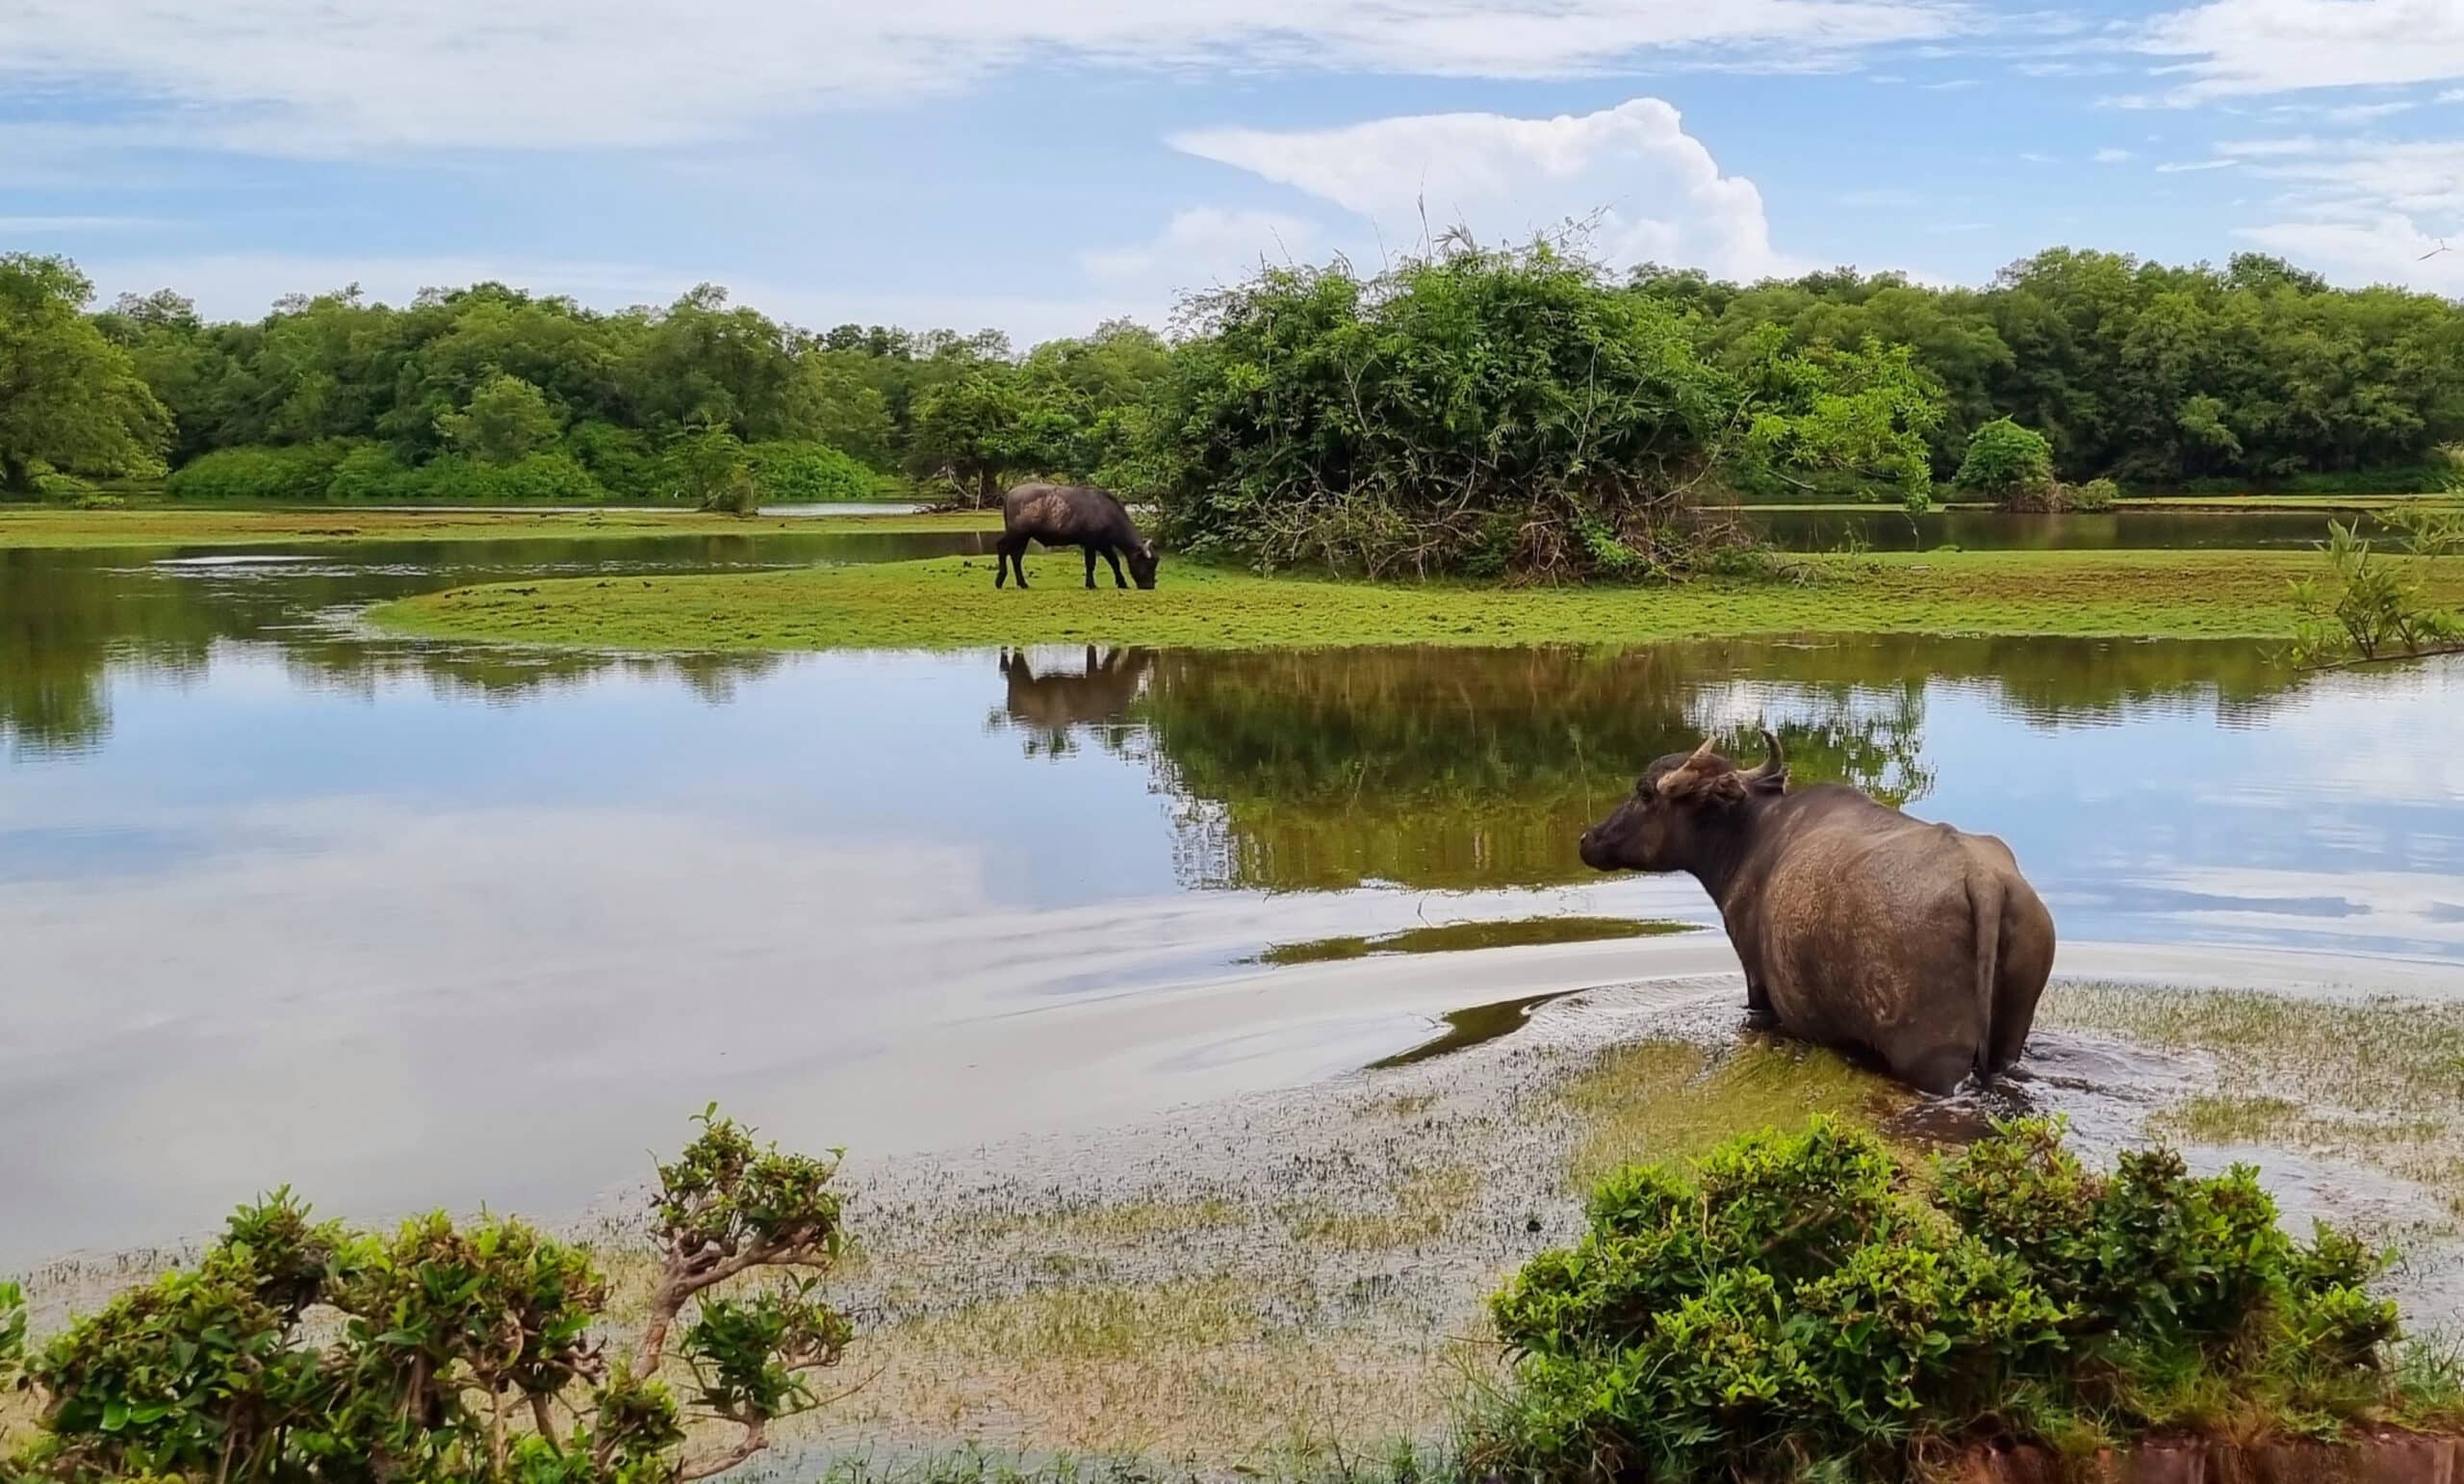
{"points": [[404, 925], [1888, 528]]}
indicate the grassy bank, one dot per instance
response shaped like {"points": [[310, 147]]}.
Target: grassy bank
{"points": [[951, 603], [185, 525]]}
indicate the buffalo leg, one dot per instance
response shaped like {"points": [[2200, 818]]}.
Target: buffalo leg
{"points": [[1018, 560], [1000, 565], [1090, 567], [1114, 557], [1759, 1013]]}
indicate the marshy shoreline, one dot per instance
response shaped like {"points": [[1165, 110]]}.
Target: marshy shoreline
{"points": [[1264, 1278]]}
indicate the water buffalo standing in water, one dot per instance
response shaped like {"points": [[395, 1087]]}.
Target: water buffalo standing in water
{"points": [[1858, 926], [1071, 515]]}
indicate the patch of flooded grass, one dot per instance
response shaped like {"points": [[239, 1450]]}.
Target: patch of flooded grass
{"points": [[1201, 1369], [1667, 1100], [1464, 936], [2378, 1081], [1426, 1206]]}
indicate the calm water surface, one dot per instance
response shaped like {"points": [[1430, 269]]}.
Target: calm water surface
{"points": [[406, 925]]}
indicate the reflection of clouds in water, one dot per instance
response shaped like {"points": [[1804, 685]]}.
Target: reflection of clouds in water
{"points": [[2377, 907], [391, 1004]]}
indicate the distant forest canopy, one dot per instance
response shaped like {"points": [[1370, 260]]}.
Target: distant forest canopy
{"points": [[2255, 374]]}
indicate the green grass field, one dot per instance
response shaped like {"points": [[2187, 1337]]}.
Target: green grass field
{"points": [[951, 603]]}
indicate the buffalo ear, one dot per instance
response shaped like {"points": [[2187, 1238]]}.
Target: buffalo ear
{"points": [[1702, 779]]}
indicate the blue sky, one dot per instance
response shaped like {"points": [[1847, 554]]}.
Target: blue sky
{"points": [[1037, 164]]}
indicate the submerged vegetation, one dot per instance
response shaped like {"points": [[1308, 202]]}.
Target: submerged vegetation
{"points": [[1462, 936], [1811, 1305]]}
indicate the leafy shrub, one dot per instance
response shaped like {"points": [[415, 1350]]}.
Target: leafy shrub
{"points": [[621, 459], [449, 1352], [371, 474], [2008, 463], [286, 472], [2372, 606], [708, 465], [803, 472], [1799, 1304], [2094, 498], [453, 480], [1485, 411]]}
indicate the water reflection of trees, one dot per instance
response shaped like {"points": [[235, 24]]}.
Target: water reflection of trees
{"points": [[1445, 768], [67, 617]]}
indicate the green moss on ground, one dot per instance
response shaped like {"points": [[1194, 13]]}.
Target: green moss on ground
{"points": [[56, 526], [951, 603]]}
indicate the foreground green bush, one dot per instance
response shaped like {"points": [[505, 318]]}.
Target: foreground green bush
{"points": [[1803, 1306], [297, 1351]]}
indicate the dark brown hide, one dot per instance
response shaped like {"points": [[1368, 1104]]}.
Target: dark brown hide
{"points": [[1071, 515], [1858, 926]]}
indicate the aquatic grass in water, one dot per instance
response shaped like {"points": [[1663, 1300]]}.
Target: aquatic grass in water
{"points": [[1664, 1100], [2378, 1081], [1465, 936]]}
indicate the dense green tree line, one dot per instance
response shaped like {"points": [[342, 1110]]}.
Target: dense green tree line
{"points": [[2160, 377], [2256, 373], [490, 392]]}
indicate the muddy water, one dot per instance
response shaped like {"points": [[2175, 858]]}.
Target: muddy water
{"points": [[406, 925]]}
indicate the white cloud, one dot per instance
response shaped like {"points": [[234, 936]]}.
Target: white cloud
{"points": [[1953, 85], [2036, 157], [33, 224], [2186, 167], [1202, 248], [317, 78], [1647, 189], [2259, 46], [2389, 249], [2110, 156]]}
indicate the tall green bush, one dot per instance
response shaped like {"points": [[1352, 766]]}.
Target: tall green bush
{"points": [[1803, 1303], [808, 472], [1485, 411], [298, 1352], [288, 471], [2008, 463]]}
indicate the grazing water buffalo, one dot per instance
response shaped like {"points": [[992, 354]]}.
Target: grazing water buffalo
{"points": [[1071, 515], [1858, 926]]}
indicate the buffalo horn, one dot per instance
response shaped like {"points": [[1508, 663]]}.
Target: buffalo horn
{"points": [[1775, 763]]}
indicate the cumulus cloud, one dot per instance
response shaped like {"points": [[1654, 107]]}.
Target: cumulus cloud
{"points": [[1203, 246], [1645, 188], [314, 76], [2237, 47]]}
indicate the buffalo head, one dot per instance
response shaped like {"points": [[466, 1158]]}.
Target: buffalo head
{"points": [[1685, 804], [1142, 558]]}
